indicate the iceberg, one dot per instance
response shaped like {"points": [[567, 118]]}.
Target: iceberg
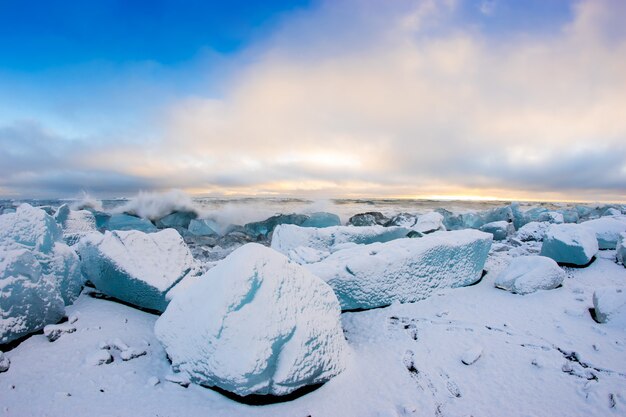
{"points": [[528, 274], [371, 218], [500, 229], [607, 230], [75, 224], [293, 240], [178, 220], [266, 227], [136, 267], [404, 270], [203, 227], [322, 219], [29, 299], [128, 222], [256, 323], [610, 305], [569, 244]]}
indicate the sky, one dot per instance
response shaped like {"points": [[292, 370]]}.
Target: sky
{"points": [[486, 99]]}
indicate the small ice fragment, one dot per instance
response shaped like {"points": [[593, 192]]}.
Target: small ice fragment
{"points": [[54, 331], [4, 362], [132, 353], [100, 357], [179, 379]]}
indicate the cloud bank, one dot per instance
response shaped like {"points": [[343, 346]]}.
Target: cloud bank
{"points": [[365, 98]]}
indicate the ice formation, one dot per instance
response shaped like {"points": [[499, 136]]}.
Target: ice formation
{"points": [[128, 222], [620, 249], [75, 223], [528, 274], [607, 230], [322, 219], [533, 231], [371, 218], [256, 323], [203, 227], [500, 229], [178, 220], [266, 227], [306, 244], [569, 244], [610, 305], [404, 270], [429, 222], [136, 267], [29, 299]]}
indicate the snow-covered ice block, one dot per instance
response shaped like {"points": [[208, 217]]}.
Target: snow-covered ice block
{"points": [[28, 227], [404, 270], [403, 220], [304, 244], [429, 222], [500, 230], [75, 224], [29, 299], [5, 363], [99, 357], [128, 222], [551, 217], [136, 267], [322, 219], [64, 265], [620, 249], [607, 230], [527, 274], [256, 323], [371, 218], [611, 211], [203, 227], [569, 244], [532, 231], [610, 305]]}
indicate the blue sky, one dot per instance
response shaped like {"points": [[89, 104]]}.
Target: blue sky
{"points": [[487, 98]]}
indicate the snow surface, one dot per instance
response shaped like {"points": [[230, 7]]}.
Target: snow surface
{"points": [[136, 267], [404, 270], [532, 231], [607, 230], [282, 322], [528, 274], [610, 305], [309, 244], [570, 244]]}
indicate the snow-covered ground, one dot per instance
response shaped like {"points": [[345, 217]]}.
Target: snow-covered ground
{"points": [[540, 354]]}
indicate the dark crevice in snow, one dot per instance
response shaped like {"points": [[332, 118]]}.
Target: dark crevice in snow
{"points": [[592, 313], [358, 310], [578, 266], [482, 275], [575, 358], [101, 296], [255, 399], [6, 347]]}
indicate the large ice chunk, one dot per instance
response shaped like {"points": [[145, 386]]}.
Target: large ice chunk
{"points": [[28, 227], [75, 224], [266, 227], [607, 230], [29, 299], [322, 219], [569, 244], [128, 222], [371, 218], [136, 267], [203, 227], [500, 229], [64, 265], [404, 270], [300, 243], [178, 220], [610, 305], [533, 231], [256, 323], [429, 222], [527, 274]]}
